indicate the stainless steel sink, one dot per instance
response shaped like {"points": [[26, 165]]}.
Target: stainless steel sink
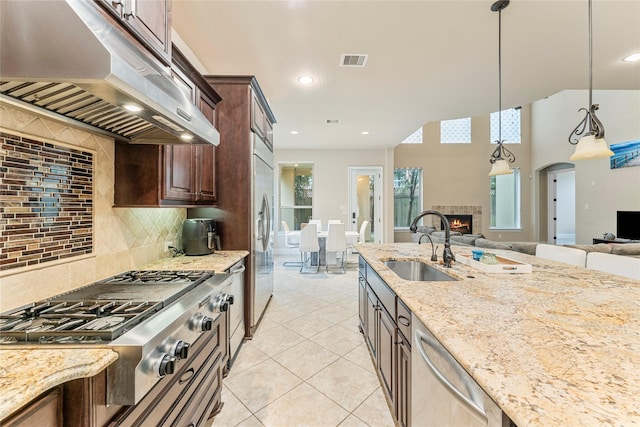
{"points": [[417, 271]]}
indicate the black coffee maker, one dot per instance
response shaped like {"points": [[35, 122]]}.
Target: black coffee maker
{"points": [[199, 236]]}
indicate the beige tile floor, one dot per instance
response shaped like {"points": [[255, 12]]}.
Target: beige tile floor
{"points": [[307, 365]]}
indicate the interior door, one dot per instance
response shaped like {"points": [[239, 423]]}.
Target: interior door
{"points": [[562, 206], [365, 200]]}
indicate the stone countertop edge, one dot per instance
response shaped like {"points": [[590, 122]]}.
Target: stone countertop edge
{"points": [[218, 261], [27, 373], [559, 346]]}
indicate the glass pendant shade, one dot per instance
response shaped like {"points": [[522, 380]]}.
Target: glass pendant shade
{"points": [[590, 147], [500, 167]]}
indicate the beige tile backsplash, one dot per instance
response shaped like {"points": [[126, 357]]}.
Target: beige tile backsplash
{"points": [[125, 238]]}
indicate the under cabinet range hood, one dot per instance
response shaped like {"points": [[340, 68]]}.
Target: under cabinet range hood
{"points": [[65, 59]]}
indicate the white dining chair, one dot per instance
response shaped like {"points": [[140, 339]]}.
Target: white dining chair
{"points": [[563, 254], [365, 233], [317, 222], [337, 244], [291, 238], [333, 221], [614, 264], [308, 246]]}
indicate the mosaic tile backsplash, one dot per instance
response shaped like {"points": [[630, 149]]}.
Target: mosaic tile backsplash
{"points": [[123, 238], [47, 210]]}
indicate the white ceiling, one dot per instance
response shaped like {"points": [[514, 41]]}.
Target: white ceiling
{"points": [[428, 60]]}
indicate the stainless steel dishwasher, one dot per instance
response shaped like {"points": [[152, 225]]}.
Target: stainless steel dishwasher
{"points": [[443, 394]]}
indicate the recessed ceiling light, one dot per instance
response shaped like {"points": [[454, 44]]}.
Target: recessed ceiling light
{"points": [[305, 80], [186, 137], [364, 132], [632, 58], [294, 132], [132, 107]]}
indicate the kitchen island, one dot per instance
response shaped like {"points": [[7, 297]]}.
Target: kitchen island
{"points": [[559, 346], [27, 371]]}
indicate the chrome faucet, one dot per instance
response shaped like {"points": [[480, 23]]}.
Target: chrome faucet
{"points": [[447, 255], [434, 257]]}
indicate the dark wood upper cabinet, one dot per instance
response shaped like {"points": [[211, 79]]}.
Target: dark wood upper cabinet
{"points": [[148, 20], [171, 175]]}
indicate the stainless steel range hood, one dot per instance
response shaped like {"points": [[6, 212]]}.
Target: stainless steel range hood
{"points": [[64, 58]]}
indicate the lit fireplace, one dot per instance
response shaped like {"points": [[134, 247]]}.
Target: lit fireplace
{"points": [[460, 223]]}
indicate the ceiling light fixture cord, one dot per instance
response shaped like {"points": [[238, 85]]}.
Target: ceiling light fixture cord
{"points": [[590, 124], [500, 153]]}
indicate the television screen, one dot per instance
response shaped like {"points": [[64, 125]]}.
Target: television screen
{"points": [[628, 225]]}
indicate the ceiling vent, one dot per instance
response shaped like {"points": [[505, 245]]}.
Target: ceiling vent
{"points": [[353, 60], [332, 121]]}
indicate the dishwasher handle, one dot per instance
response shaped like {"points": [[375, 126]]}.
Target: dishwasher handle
{"points": [[472, 406], [237, 270]]}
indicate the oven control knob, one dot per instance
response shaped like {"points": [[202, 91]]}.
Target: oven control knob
{"points": [[167, 365], [229, 298], [206, 324], [219, 304], [182, 350]]}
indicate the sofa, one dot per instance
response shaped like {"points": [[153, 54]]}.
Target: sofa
{"points": [[478, 240]]}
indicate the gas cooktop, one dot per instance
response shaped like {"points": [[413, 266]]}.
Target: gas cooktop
{"points": [[101, 311]]}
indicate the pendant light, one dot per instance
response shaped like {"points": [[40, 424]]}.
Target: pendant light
{"points": [[588, 136], [501, 157]]}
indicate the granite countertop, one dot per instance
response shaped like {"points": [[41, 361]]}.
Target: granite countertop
{"points": [[218, 262], [27, 373], [559, 346]]}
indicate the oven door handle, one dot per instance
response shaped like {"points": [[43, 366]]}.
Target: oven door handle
{"points": [[237, 270]]}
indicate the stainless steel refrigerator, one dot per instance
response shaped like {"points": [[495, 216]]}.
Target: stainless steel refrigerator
{"points": [[263, 234]]}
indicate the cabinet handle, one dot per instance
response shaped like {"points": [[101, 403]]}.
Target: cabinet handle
{"points": [[116, 4], [132, 11], [188, 374], [404, 321]]}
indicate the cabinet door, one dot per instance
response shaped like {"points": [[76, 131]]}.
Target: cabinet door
{"points": [[257, 117], [148, 20], [178, 182], [372, 323], [403, 387], [386, 353], [205, 161], [44, 411]]}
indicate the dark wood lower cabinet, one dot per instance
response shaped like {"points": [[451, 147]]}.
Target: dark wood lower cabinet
{"points": [[386, 324], [44, 411], [387, 353], [403, 386]]}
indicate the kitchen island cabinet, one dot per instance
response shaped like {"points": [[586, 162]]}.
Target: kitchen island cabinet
{"points": [[392, 354], [554, 347]]}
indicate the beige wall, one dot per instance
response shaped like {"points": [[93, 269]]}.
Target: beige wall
{"points": [[331, 178], [124, 239], [457, 174], [600, 191]]}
